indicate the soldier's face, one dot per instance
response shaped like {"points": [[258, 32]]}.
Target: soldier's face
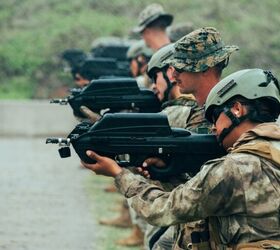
{"points": [[148, 37], [134, 67], [186, 81], [80, 81], [170, 73], [222, 121], [159, 86]]}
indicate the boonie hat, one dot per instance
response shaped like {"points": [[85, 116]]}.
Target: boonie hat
{"points": [[151, 13], [199, 50]]}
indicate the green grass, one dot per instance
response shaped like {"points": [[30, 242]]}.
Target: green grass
{"points": [[102, 206]]}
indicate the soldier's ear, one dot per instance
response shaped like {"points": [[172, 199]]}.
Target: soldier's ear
{"points": [[238, 109]]}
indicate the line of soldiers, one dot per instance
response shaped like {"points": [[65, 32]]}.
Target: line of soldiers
{"points": [[234, 201]]}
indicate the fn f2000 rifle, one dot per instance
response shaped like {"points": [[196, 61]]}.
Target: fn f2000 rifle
{"points": [[113, 94], [139, 136]]}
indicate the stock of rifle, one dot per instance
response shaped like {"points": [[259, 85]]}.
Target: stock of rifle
{"points": [[140, 136]]}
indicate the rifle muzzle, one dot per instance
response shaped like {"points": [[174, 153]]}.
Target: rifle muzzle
{"points": [[59, 101], [60, 141]]}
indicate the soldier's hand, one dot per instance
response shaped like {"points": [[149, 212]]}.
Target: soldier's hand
{"points": [[92, 116], [103, 166], [153, 161]]}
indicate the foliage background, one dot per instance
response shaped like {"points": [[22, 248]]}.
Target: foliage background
{"points": [[35, 32]]}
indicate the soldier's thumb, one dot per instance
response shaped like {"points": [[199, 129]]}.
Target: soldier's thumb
{"points": [[94, 117], [92, 155]]}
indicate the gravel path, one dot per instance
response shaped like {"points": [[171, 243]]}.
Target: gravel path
{"points": [[43, 199]]}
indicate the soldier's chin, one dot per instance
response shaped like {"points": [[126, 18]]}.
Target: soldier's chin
{"points": [[160, 97], [182, 90]]}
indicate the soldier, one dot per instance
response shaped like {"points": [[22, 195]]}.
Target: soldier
{"points": [[152, 24], [197, 74], [238, 194], [198, 62], [139, 55]]}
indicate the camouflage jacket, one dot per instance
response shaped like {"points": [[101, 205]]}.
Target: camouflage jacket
{"points": [[184, 112], [240, 192]]}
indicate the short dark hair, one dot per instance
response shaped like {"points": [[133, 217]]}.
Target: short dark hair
{"points": [[160, 23], [262, 109], [219, 67]]}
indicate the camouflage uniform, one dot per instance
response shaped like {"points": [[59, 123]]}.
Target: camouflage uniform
{"points": [[239, 192], [184, 112]]}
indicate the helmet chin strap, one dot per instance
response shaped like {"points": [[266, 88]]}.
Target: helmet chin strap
{"points": [[139, 66], [169, 87], [235, 121]]}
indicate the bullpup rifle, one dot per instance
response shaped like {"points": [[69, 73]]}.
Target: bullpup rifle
{"points": [[114, 95], [138, 137]]}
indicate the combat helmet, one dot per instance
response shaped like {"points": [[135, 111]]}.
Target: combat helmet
{"points": [[111, 46], [255, 85], [74, 57], [150, 14], [159, 59], [139, 48], [177, 31]]}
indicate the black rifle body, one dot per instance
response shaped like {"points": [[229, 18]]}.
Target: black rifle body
{"points": [[114, 94], [139, 136]]}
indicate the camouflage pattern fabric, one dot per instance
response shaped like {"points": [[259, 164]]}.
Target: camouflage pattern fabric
{"points": [[184, 112], [197, 123], [238, 192], [199, 50], [178, 111]]}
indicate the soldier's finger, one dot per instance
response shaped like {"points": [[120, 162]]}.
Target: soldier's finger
{"points": [[150, 161], [93, 155], [139, 169], [146, 174], [90, 114]]}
